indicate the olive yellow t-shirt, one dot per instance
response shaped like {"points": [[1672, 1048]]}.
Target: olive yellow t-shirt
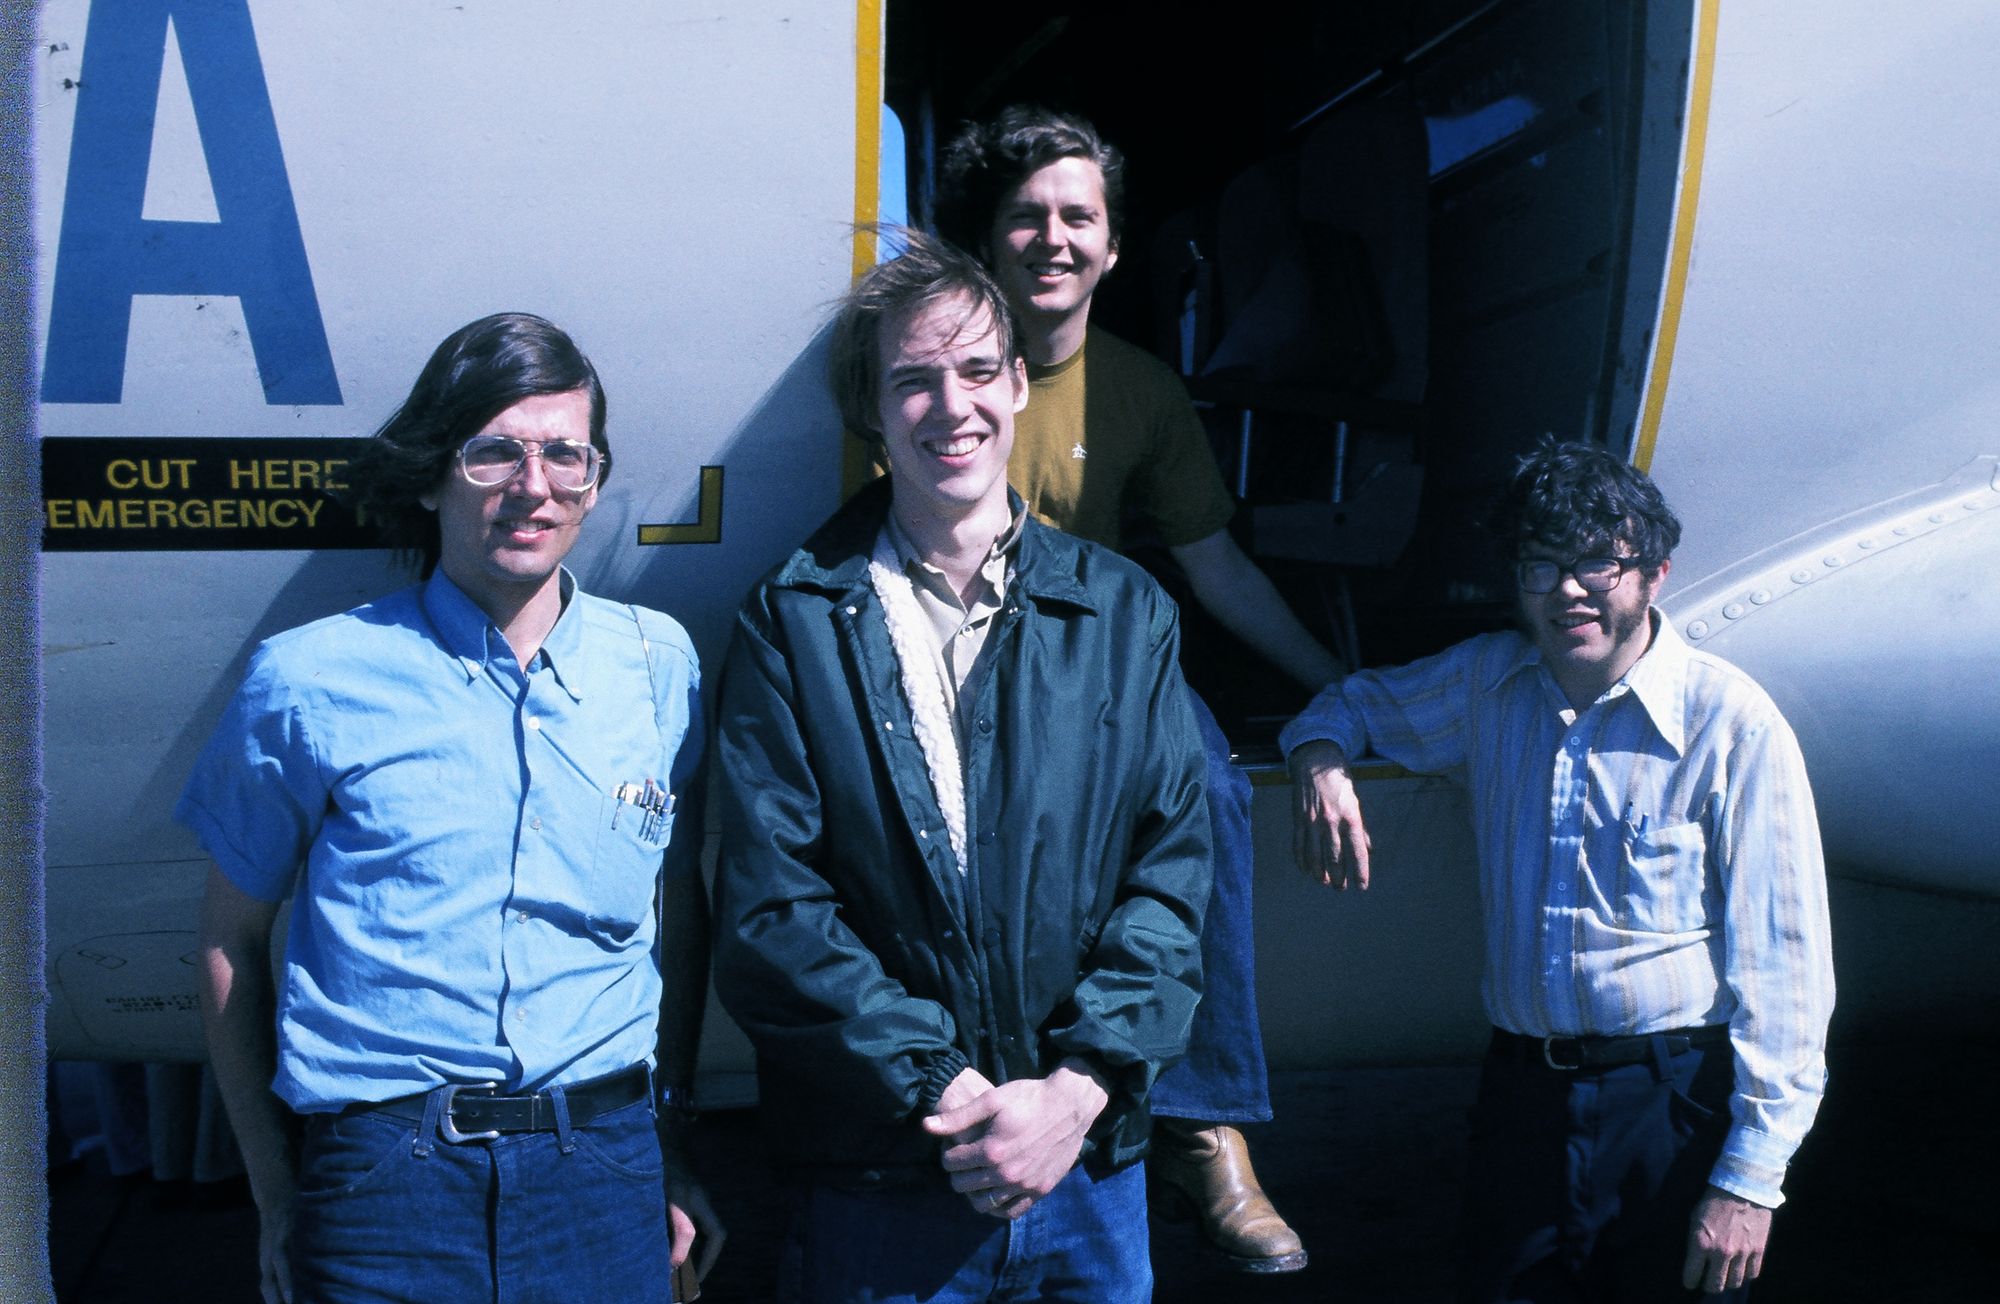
{"points": [[1111, 428]]}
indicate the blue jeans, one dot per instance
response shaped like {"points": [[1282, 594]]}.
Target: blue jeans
{"points": [[1085, 1242], [387, 1210], [1223, 1078], [1581, 1184]]}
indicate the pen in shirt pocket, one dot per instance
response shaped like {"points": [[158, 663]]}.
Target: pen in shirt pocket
{"points": [[653, 802]]}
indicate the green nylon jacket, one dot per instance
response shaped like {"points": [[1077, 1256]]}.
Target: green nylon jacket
{"points": [[865, 969]]}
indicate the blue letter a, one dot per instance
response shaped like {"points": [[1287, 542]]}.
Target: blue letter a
{"points": [[109, 252]]}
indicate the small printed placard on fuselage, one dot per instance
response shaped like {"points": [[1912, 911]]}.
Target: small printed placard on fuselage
{"points": [[197, 495]]}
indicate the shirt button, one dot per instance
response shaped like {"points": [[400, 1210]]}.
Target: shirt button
{"points": [[1562, 887], [986, 837], [535, 823], [923, 833], [985, 724], [889, 726], [520, 916], [534, 722]]}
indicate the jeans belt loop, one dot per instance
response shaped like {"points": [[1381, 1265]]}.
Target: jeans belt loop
{"points": [[1663, 1054], [433, 1109], [565, 1138]]}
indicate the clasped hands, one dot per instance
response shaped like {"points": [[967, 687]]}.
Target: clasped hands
{"points": [[1008, 1146]]}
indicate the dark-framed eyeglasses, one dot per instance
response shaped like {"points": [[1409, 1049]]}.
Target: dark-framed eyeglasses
{"points": [[488, 460], [1594, 574]]}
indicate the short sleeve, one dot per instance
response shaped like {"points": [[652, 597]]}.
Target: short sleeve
{"points": [[1178, 487], [258, 794]]}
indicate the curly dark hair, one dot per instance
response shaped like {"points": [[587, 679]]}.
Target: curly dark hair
{"points": [[987, 160], [478, 372], [1579, 500], [926, 271]]}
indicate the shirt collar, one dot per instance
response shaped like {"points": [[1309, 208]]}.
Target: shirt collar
{"points": [[1047, 564], [470, 635], [994, 568], [1657, 680], [1054, 369]]}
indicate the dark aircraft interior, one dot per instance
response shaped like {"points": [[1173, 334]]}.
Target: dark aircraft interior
{"points": [[1387, 247]]}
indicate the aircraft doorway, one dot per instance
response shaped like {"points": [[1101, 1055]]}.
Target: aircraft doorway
{"points": [[1386, 247]]}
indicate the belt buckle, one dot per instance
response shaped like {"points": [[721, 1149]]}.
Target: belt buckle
{"points": [[1549, 1057], [448, 1129]]}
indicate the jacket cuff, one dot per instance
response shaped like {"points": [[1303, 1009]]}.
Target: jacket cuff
{"points": [[939, 1075], [1128, 1081]]}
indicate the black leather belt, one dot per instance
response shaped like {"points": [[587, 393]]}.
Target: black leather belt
{"points": [[1573, 1054], [475, 1113]]}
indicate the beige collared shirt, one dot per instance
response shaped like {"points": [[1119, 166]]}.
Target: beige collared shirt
{"points": [[958, 628]]}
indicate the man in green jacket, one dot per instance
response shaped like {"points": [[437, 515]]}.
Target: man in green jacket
{"points": [[966, 845]]}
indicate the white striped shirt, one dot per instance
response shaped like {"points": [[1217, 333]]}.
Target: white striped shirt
{"points": [[1650, 862]]}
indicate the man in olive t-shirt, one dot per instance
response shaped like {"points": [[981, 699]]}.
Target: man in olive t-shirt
{"points": [[1107, 429], [1110, 424]]}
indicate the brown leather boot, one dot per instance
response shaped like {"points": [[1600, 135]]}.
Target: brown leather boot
{"points": [[1202, 1171]]}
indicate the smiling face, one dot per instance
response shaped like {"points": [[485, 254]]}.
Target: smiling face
{"points": [[1050, 245], [504, 544], [1590, 639], [946, 404]]}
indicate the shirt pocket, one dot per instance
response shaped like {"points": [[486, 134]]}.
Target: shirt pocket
{"points": [[623, 829], [626, 867], [1662, 878]]}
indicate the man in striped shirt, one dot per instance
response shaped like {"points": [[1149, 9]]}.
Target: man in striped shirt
{"points": [[1657, 968]]}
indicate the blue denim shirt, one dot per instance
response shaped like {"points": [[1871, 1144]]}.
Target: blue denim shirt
{"points": [[472, 900]]}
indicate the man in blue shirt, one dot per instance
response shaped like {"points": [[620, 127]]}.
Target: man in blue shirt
{"points": [[479, 794], [1658, 970]]}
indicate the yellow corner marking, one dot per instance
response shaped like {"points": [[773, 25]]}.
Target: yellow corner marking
{"points": [[706, 527], [1702, 85]]}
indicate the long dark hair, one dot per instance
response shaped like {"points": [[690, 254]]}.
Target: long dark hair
{"points": [[478, 372]]}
